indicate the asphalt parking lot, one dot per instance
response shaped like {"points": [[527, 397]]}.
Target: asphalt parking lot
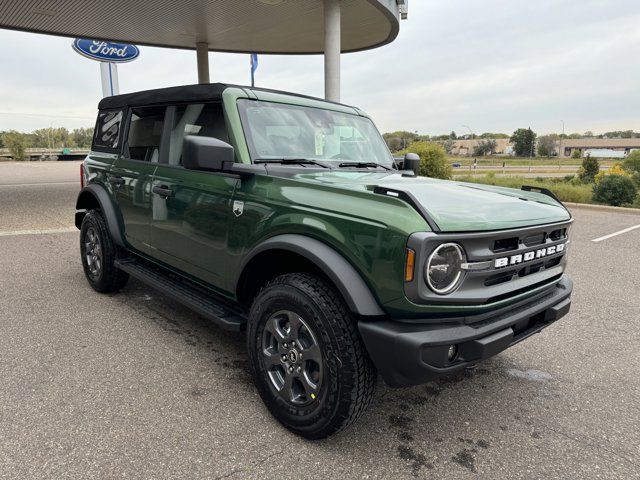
{"points": [[133, 385]]}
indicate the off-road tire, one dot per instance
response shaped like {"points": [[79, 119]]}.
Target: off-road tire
{"points": [[108, 278], [348, 376]]}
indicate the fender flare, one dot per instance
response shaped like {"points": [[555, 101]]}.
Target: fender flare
{"points": [[343, 275], [100, 194]]}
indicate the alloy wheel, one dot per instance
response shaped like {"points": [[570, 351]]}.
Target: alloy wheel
{"points": [[292, 358]]}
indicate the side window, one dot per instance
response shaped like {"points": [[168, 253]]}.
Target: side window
{"points": [[145, 133], [107, 134], [200, 119]]}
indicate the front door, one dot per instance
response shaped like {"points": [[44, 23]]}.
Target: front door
{"points": [[192, 209], [132, 173]]}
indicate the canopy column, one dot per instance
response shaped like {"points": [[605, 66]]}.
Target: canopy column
{"points": [[202, 54], [332, 49]]}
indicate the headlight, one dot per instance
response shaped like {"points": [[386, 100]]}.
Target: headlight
{"points": [[444, 268]]}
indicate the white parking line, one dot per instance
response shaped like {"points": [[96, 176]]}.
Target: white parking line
{"points": [[14, 233], [599, 239]]}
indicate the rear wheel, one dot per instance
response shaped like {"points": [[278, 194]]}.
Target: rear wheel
{"points": [[98, 254], [307, 359]]}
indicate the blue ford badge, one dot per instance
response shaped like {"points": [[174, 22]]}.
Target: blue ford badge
{"points": [[105, 51]]}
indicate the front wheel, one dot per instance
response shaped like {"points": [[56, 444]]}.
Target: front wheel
{"points": [[307, 358]]}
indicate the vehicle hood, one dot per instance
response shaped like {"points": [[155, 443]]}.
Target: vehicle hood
{"points": [[456, 206]]}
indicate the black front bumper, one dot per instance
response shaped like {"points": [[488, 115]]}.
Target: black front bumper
{"points": [[410, 353]]}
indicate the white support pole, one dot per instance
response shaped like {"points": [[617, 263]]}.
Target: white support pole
{"points": [[332, 49], [109, 78], [202, 53]]}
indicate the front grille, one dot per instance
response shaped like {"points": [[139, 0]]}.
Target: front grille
{"points": [[501, 264]]}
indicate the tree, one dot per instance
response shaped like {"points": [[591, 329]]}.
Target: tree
{"points": [[615, 190], [433, 160], [16, 142], [453, 135], [448, 146], [523, 140], [395, 140], [486, 147], [494, 135], [589, 169], [82, 137], [631, 165], [546, 146], [588, 134]]}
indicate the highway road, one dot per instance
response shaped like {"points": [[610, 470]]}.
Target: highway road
{"points": [[134, 385]]}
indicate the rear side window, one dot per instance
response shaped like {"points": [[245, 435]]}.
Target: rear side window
{"points": [[145, 133], [108, 127]]}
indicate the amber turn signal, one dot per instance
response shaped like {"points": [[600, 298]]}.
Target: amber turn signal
{"points": [[409, 265]]}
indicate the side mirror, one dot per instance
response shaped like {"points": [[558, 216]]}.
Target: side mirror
{"points": [[412, 162], [206, 153]]}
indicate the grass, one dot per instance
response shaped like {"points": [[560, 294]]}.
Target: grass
{"points": [[524, 162], [567, 192]]}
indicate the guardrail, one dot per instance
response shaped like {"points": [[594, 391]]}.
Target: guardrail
{"points": [[49, 153]]}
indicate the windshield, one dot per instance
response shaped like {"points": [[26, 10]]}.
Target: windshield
{"points": [[280, 131]]}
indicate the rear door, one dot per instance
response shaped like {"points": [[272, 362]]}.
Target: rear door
{"points": [[192, 209], [132, 173]]}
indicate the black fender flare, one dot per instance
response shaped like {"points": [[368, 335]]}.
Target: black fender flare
{"points": [[103, 198], [343, 275]]}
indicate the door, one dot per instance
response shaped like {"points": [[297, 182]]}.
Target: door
{"points": [[192, 209], [133, 171]]}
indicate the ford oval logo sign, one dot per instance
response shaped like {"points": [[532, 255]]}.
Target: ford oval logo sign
{"points": [[106, 51]]}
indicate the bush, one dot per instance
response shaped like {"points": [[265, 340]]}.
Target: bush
{"points": [[631, 165], [433, 160], [589, 169], [16, 143], [615, 190], [576, 154]]}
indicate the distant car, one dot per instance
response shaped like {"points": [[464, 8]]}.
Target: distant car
{"points": [[285, 216], [456, 165]]}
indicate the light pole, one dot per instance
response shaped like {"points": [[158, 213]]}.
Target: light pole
{"points": [[472, 135]]}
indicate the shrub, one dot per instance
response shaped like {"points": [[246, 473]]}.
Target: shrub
{"points": [[589, 169], [631, 165], [615, 169], [615, 190], [16, 143], [576, 154], [433, 160]]}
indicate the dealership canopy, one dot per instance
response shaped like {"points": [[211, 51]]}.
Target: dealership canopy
{"points": [[250, 26]]}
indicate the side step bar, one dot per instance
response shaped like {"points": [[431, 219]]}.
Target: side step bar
{"points": [[192, 296]]}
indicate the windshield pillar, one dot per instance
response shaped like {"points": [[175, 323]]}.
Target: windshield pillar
{"points": [[332, 48]]}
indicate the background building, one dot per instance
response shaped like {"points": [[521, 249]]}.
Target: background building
{"points": [[567, 146]]}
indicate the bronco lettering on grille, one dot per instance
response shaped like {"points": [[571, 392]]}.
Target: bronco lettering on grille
{"points": [[528, 256]]}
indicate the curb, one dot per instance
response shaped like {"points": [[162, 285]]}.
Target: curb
{"points": [[603, 208]]}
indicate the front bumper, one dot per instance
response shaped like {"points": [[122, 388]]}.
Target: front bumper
{"points": [[410, 353]]}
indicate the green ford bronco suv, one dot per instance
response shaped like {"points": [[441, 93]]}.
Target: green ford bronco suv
{"points": [[286, 216]]}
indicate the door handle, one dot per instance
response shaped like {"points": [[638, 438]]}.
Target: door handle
{"points": [[163, 191], [116, 181]]}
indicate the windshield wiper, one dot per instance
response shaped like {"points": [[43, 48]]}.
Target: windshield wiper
{"points": [[292, 161], [363, 165]]}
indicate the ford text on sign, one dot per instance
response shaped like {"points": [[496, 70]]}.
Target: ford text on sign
{"points": [[106, 51]]}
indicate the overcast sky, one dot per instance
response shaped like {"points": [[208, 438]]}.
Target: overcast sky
{"points": [[494, 65]]}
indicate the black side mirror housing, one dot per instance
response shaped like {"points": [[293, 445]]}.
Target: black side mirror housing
{"points": [[206, 153], [412, 162]]}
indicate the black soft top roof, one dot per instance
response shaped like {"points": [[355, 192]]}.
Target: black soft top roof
{"points": [[208, 92], [187, 93]]}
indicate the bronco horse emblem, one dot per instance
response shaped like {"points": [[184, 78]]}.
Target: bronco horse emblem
{"points": [[238, 208]]}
